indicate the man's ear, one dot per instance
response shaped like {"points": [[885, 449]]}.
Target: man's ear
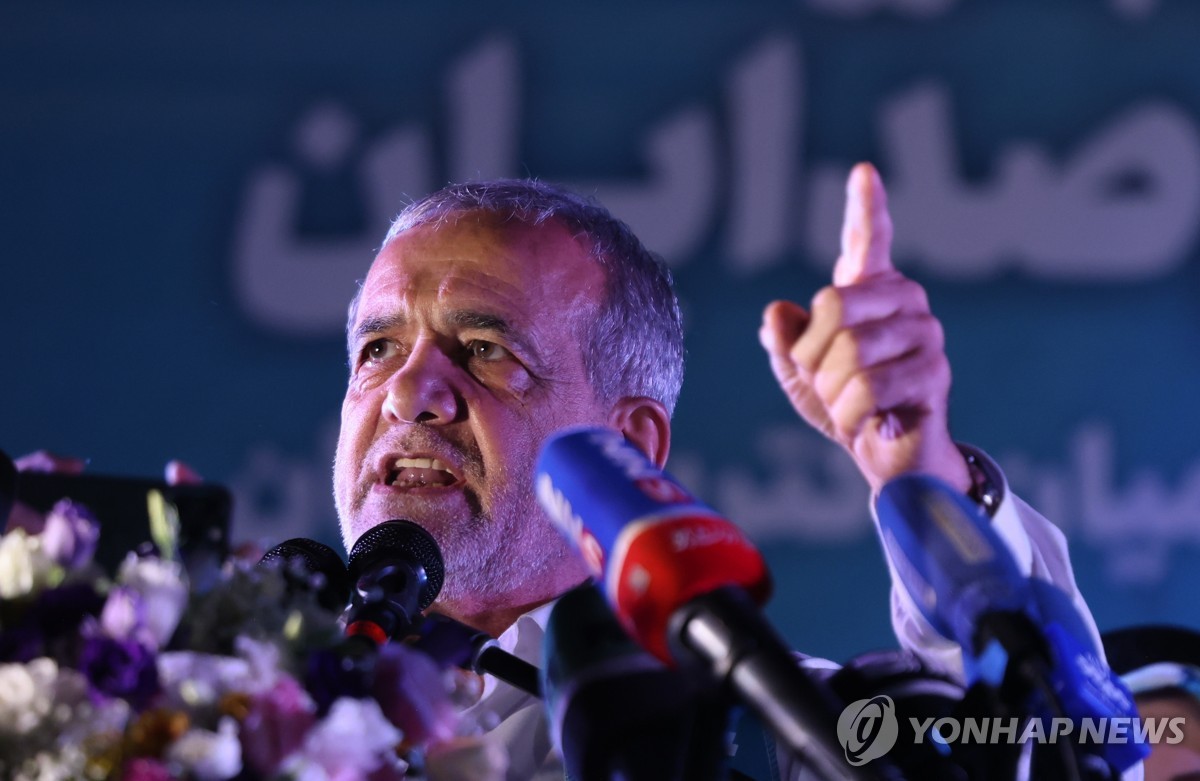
{"points": [[646, 424]]}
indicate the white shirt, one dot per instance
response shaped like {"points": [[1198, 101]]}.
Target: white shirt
{"points": [[519, 718]]}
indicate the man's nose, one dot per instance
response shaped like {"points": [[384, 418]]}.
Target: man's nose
{"points": [[424, 390]]}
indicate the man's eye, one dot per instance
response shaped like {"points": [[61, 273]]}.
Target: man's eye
{"points": [[486, 351], [378, 350]]}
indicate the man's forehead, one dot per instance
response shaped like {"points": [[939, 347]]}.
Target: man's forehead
{"points": [[481, 253], [473, 269]]}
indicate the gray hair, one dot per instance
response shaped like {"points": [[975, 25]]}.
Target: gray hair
{"points": [[634, 347]]}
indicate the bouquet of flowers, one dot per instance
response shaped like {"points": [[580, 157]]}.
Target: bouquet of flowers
{"points": [[135, 676]]}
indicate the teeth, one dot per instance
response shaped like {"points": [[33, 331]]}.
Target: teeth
{"points": [[420, 463]]}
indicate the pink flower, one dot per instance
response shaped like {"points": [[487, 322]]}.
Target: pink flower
{"points": [[276, 724], [142, 769]]}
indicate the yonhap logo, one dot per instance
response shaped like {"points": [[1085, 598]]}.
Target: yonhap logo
{"points": [[868, 729]]}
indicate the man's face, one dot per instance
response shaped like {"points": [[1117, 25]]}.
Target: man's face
{"points": [[465, 355]]}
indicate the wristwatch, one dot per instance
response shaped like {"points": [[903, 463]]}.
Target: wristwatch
{"points": [[985, 488]]}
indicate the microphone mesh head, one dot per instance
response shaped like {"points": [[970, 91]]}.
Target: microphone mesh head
{"points": [[313, 558], [403, 540]]}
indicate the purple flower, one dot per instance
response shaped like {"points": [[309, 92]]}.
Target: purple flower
{"points": [[413, 693], [21, 644], [275, 725], [119, 668], [344, 671], [49, 627], [124, 615], [70, 534]]}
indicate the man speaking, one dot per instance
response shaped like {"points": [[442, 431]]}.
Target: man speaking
{"points": [[499, 312]]}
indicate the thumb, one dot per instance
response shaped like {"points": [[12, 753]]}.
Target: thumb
{"points": [[866, 229]]}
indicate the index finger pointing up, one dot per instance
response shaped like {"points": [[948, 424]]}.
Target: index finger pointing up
{"points": [[866, 229]]}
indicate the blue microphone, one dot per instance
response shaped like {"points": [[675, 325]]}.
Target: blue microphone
{"points": [[650, 543], [687, 584], [1013, 630]]}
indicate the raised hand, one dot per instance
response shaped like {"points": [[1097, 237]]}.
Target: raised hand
{"points": [[866, 365]]}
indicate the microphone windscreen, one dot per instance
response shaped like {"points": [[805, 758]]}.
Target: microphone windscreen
{"points": [[313, 565], [406, 541]]}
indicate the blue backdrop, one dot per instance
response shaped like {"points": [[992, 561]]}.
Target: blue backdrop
{"points": [[188, 194]]}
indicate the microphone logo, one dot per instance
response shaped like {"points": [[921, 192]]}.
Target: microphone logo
{"points": [[663, 490], [867, 729]]}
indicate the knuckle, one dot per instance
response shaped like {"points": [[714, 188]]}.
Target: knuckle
{"points": [[914, 292], [829, 302]]}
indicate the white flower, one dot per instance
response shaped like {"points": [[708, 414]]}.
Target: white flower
{"points": [[65, 765], [209, 756], [193, 680], [163, 589], [24, 565], [301, 768], [26, 695], [262, 656], [352, 740]]}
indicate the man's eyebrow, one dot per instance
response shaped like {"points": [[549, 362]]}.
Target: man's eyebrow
{"points": [[461, 318], [378, 324], [466, 318]]}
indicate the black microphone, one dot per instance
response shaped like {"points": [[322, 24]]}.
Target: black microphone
{"points": [[617, 712], [8, 487], [397, 572], [452, 642], [311, 566]]}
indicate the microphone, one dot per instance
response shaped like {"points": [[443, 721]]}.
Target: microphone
{"points": [[453, 642], [1021, 636], [685, 583], [308, 565], [646, 538], [615, 711], [397, 572], [8, 487]]}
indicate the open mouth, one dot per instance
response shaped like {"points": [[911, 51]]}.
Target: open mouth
{"points": [[419, 473]]}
